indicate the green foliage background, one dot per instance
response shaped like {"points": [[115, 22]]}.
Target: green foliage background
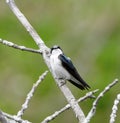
{"points": [[88, 31]]}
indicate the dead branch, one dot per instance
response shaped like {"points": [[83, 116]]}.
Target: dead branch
{"points": [[53, 116], [93, 109], [23, 48], [46, 53], [115, 109], [30, 95]]}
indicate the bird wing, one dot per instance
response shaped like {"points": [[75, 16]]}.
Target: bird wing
{"points": [[68, 65]]}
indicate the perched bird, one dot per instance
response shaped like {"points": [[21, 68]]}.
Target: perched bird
{"points": [[63, 68]]}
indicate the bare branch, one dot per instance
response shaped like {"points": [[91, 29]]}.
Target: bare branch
{"points": [[53, 116], [2, 118], [25, 105], [25, 23], [93, 109], [30, 95], [46, 53], [23, 48], [88, 95], [114, 109], [71, 100], [14, 118]]}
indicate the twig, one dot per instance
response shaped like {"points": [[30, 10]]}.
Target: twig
{"points": [[114, 109], [30, 94], [53, 116], [14, 118], [2, 118], [23, 48], [93, 109], [46, 53], [88, 95]]}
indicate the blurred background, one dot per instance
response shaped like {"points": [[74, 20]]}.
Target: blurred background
{"points": [[87, 30]]}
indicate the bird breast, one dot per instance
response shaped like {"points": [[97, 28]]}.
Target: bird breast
{"points": [[59, 71]]}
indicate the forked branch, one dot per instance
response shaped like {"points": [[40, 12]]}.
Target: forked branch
{"points": [[46, 53], [93, 109]]}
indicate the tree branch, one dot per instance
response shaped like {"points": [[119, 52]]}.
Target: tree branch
{"points": [[20, 113], [30, 95], [53, 116], [2, 118], [46, 53], [23, 48], [25, 23], [93, 109], [114, 109], [14, 119], [71, 100]]}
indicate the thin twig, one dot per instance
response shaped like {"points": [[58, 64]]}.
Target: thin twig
{"points": [[53, 116], [114, 109], [2, 118], [93, 109], [23, 48], [14, 118], [30, 95]]}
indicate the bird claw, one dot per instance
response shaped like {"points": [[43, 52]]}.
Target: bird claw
{"points": [[61, 81]]}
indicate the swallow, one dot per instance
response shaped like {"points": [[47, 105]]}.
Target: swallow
{"points": [[63, 68]]}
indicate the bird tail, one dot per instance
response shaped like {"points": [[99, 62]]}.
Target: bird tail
{"points": [[81, 86]]}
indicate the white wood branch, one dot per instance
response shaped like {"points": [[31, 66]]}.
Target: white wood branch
{"points": [[13, 119], [25, 23], [23, 48], [3, 119], [114, 109], [46, 53], [57, 113], [6, 118], [30, 95], [93, 109]]}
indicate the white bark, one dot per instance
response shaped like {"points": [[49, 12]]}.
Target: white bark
{"points": [[115, 109], [93, 109], [30, 95], [46, 53]]}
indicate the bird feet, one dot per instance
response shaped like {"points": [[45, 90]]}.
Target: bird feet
{"points": [[61, 82]]}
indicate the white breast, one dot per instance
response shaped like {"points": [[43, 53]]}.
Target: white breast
{"points": [[57, 68]]}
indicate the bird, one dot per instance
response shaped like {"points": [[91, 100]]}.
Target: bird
{"points": [[63, 68]]}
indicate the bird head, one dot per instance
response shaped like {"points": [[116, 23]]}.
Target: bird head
{"points": [[56, 50]]}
